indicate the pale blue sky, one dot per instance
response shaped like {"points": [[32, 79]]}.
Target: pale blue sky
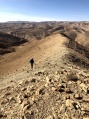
{"points": [[44, 10]]}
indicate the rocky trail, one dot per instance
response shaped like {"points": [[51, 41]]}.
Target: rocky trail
{"points": [[54, 89]]}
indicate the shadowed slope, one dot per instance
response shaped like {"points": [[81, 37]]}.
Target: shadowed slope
{"points": [[8, 41]]}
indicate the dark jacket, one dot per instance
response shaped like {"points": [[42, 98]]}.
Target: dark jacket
{"points": [[31, 61]]}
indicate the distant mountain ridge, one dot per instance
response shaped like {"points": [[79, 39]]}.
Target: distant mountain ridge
{"points": [[39, 30]]}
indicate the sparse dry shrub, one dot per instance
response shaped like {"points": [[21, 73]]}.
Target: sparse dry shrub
{"points": [[72, 77]]}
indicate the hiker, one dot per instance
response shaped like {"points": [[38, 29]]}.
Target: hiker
{"points": [[31, 62]]}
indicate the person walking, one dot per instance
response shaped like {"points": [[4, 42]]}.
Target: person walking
{"points": [[32, 62]]}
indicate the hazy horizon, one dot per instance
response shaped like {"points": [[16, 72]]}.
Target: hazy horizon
{"points": [[38, 10]]}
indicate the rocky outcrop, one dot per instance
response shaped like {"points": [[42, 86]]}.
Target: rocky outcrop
{"points": [[46, 96]]}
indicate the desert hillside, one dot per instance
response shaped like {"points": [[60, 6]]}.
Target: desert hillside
{"points": [[58, 86], [7, 43]]}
